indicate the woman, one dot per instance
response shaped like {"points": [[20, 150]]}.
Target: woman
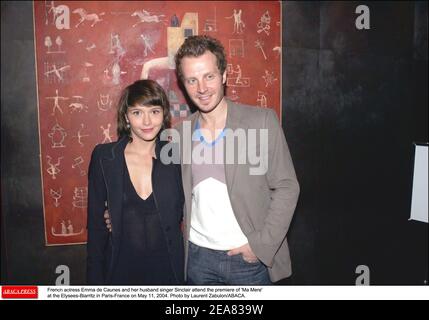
{"points": [[144, 198]]}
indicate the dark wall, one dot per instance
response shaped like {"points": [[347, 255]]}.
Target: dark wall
{"points": [[26, 257], [354, 101]]}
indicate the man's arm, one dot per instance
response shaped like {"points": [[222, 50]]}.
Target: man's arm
{"points": [[284, 186]]}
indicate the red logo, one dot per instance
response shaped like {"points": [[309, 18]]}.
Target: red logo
{"points": [[19, 292]]}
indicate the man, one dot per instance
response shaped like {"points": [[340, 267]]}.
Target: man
{"points": [[236, 219]]}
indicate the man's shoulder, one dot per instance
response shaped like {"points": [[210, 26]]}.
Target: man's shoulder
{"points": [[252, 114], [251, 110]]}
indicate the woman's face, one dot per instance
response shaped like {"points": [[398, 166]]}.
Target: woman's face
{"points": [[145, 121]]}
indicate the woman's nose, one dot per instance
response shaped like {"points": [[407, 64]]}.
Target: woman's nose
{"points": [[146, 119]]}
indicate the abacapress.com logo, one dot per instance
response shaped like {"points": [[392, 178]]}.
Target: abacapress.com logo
{"points": [[19, 292]]}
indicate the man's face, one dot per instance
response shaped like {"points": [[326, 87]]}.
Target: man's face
{"points": [[203, 81]]}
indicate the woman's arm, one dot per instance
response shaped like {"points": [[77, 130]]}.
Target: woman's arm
{"points": [[97, 231]]}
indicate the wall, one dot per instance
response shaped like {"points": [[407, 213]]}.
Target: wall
{"points": [[353, 103], [27, 259]]}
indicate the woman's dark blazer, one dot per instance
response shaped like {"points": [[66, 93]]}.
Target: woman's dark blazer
{"points": [[105, 189]]}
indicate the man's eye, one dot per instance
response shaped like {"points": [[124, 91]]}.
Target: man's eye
{"points": [[191, 81], [210, 76]]}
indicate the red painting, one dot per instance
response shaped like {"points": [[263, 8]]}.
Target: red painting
{"points": [[87, 51]]}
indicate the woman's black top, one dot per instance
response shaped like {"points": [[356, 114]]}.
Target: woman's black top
{"points": [[143, 255]]}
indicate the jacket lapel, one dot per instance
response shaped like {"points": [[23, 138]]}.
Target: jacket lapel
{"points": [[232, 123], [186, 152]]}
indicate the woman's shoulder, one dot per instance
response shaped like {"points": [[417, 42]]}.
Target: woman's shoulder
{"points": [[104, 149]]}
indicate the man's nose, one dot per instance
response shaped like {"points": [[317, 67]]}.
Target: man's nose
{"points": [[202, 86]]}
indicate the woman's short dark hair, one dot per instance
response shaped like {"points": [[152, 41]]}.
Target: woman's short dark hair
{"points": [[195, 46], [144, 93]]}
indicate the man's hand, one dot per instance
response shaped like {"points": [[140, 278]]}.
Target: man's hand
{"points": [[246, 251], [107, 220]]}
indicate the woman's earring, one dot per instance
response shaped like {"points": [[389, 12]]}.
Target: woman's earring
{"points": [[128, 125]]}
